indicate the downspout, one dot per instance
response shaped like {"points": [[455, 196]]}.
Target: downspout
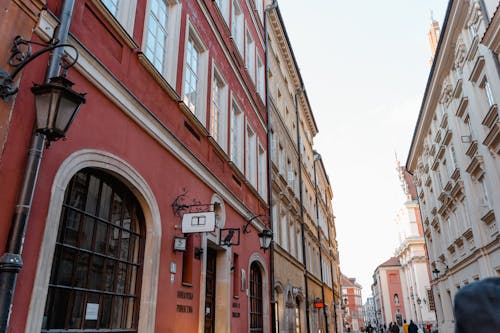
{"points": [[317, 157], [301, 201], [11, 260], [274, 324]]}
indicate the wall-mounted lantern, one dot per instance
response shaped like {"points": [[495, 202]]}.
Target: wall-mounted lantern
{"points": [[265, 238], [56, 104]]}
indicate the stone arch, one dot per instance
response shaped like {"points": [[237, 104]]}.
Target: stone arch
{"points": [[90, 158]]}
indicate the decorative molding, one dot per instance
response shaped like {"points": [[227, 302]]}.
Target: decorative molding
{"points": [[492, 140], [491, 117], [477, 70], [489, 217], [472, 150], [476, 167], [462, 106]]}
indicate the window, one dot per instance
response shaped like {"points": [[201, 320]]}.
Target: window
{"points": [[218, 111], [260, 84], [162, 36], [251, 156], [250, 55], [284, 231], [237, 26], [223, 6], [297, 315], [112, 5], [97, 264], [262, 172], [489, 94], [396, 299], [195, 69], [259, 6], [123, 11], [256, 301], [236, 136]]}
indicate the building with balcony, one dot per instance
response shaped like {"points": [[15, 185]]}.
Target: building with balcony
{"points": [[454, 155]]}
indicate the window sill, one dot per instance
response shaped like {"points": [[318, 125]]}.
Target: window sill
{"points": [[159, 78]]}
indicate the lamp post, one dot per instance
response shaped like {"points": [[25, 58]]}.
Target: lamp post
{"points": [[56, 106]]}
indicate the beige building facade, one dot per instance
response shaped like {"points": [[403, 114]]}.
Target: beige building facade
{"points": [[454, 155], [306, 272]]}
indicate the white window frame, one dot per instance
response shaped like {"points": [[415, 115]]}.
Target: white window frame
{"points": [[223, 6], [251, 155], [259, 7], [168, 64], [250, 54], [489, 94], [236, 139], [238, 26], [219, 108], [262, 171], [198, 104], [124, 13], [260, 78]]}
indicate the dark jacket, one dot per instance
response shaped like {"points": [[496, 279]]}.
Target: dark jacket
{"points": [[477, 307], [412, 328]]}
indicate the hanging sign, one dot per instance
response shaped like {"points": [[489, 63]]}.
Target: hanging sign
{"points": [[198, 222]]}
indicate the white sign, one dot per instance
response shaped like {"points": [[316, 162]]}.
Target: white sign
{"points": [[92, 311], [198, 222]]}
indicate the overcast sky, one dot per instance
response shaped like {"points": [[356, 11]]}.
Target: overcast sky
{"points": [[365, 65]]}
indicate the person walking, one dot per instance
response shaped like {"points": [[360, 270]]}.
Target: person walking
{"points": [[412, 328], [394, 328], [405, 326]]}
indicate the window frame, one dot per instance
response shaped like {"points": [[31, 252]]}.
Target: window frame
{"points": [[219, 124], [168, 68], [237, 147], [200, 109]]}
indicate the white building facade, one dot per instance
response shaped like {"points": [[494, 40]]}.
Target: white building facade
{"points": [[454, 155]]}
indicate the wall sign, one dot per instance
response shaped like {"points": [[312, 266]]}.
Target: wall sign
{"points": [[91, 311]]}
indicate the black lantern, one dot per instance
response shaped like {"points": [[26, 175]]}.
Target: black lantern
{"points": [[265, 238], [56, 106]]}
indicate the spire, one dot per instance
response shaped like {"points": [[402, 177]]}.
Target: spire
{"points": [[433, 35]]}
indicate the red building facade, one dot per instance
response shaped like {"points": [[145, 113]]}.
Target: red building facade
{"points": [[174, 122]]}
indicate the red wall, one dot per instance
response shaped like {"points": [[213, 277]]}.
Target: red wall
{"points": [[101, 125]]}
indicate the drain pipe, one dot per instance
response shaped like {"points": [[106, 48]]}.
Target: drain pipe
{"points": [[301, 200], [274, 316], [316, 158], [11, 261]]}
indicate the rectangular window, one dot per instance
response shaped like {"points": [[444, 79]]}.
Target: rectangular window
{"points": [[112, 6], [284, 232], [259, 6], [260, 84], [195, 73], [161, 37], [218, 111], [251, 159], [489, 93], [262, 172], [237, 26], [191, 75], [250, 55], [223, 6], [236, 136]]}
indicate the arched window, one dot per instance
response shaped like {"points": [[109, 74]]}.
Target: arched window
{"points": [[256, 306], [95, 278]]}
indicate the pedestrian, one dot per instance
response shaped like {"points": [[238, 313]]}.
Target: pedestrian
{"points": [[394, 328], [429, 326], [405, 326], [477, 307], [412, 328]]}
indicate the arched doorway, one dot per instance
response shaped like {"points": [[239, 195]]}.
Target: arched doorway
{"points": [[256, 299], [96, 272]]}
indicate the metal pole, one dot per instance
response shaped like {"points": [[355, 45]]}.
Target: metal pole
{"points": [[11, 261]]}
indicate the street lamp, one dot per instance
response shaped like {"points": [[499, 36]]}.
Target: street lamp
{"points": [[265, 238], [56, 104]]}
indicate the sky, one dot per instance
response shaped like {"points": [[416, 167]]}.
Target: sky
{"points": [[365, 65]]}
